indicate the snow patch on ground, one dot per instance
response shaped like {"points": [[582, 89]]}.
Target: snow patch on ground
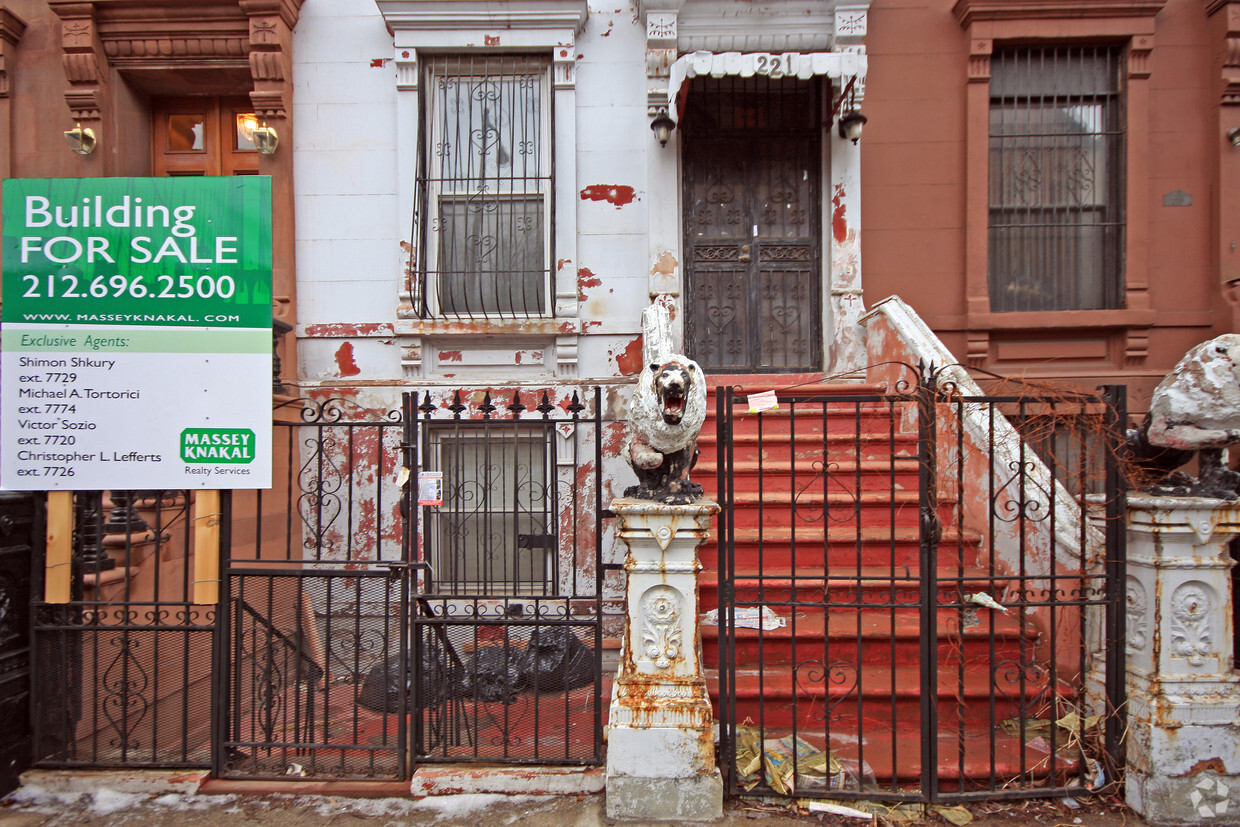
{"points": [[107, 802], [463, 808]]}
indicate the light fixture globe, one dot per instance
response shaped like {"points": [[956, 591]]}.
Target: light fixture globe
{"points": [[265, 139], [662, 127], [851, 123], [82, 141]]}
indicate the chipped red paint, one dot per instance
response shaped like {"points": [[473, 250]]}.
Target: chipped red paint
{"points": [[560, 263], [379, 62], [585, 279], [345, 362], [617, 194], [491, 40], [339, 330], [588, 326], [451, 356], [839, 225], [629, 360]]}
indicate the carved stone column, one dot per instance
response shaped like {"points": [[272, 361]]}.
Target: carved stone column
{"points": [[660, 745], [1183, 748]]}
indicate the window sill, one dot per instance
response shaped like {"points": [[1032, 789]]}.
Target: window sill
{"points": [[1060, 319], [492, 327]]}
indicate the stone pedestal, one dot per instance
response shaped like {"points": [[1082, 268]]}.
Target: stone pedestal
{"points": [[660, 744], [1183, 746]]}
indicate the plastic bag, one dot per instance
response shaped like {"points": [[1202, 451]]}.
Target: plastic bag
{"points": [[555, 658], [493, 674]]}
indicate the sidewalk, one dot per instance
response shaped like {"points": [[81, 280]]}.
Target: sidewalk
{"points": [[105, 804]]}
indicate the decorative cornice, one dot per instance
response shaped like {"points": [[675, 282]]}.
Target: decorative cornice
{"points": [[971, 11], [480, 15], [12, 28], [1229, 53], [1139, 49], [170, 34], [980, 50]]}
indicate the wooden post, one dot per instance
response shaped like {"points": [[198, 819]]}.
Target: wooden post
{"points": [[206, 586], [58, 568]]}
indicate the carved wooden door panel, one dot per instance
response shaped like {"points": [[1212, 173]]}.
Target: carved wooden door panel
{"points": [[753, 241]]}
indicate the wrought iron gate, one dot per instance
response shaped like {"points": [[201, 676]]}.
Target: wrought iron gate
{"points": [[508, 621], [916, 598], [421, 585], [122, 670], [20, 530]]}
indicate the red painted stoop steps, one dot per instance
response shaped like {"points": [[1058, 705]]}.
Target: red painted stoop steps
{"points": [[842, 570]]}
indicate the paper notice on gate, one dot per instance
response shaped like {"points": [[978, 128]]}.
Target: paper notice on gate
{"points": [[764, 401], [430, 488]]}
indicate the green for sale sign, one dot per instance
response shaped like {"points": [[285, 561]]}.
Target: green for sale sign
{"points": [[136, 331]]}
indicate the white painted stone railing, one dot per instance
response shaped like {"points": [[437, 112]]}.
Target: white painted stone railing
{"points": [[896, 334]]}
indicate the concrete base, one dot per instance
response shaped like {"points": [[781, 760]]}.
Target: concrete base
{"points": [[452, 779], [695, 799], [1204, 798], [143, 782]]}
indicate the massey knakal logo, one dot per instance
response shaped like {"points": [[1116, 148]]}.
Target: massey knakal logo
{"points": [[217, 445]]}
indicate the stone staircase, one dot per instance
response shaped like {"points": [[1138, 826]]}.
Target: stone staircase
{"points": [[827, 537]]}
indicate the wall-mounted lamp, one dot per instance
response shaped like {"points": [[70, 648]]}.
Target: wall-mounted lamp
{"points": [[265, 139], [851, 123], [1233, 135], [662, 127], [81, 141]]}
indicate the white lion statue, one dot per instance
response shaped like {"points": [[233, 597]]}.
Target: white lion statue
{"points": [[1195, 409], [665, 417]]}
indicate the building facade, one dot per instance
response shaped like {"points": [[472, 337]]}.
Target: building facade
{"points": [[475, 201]]}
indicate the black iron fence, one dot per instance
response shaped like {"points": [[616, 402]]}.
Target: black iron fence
{"points": [[508, 623], [429, 592], [913, 600], [123, 669]]}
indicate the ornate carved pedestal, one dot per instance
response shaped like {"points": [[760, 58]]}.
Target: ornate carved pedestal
{"points": [[1183, 746], [660, 745]]}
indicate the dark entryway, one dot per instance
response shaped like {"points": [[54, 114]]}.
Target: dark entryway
{"points": [[753, 240]]}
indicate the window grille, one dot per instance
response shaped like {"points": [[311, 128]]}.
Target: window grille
{"points": [[495, 533], [484, 188], [1056, 178]]}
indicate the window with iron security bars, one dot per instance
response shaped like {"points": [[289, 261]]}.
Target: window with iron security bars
{"points": [[1056, 230], [495, 532], [484, 188]]}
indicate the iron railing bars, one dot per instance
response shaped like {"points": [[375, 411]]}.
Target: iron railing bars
{"points": [[1026, 774], [221, 662], [893, 592], [1116, 577], [927, 456], [599, 573], [723, 557]]}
